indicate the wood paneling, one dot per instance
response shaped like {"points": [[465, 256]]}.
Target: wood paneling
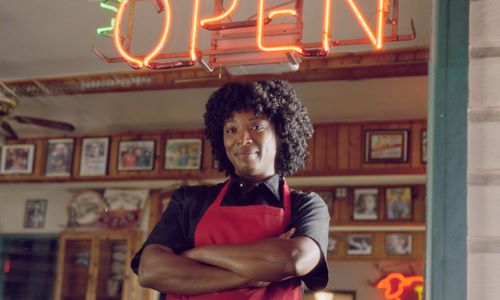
{"points": [[335, 149]]}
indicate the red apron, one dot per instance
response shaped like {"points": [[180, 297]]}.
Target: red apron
{"points": [[245, 224]]}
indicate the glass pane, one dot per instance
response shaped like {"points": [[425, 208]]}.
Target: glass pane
{"points": [[76, 269], [28, 268], [112, 263]]}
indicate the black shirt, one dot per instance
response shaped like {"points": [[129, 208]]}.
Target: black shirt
{"points": [[178, 222]]}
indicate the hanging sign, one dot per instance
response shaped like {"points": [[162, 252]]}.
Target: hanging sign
{"points": [[260, 28]]}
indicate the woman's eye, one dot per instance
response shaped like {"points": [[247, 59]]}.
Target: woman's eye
{"points": [[230, 130], [258, 127]]}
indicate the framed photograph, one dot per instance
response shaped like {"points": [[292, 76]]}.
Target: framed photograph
{"points": [[136, 155], [183, 154], [423, 143], [386, 146], [330, 295], [359, 244], [34, 214], [94, 158], [398, 244], [333, 244], [327, 196], [399, 203], [17, 159], [59, 157], [365, 206]]}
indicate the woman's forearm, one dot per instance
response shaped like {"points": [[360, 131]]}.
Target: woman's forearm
{"points": [[164, 271], [267, 260]]}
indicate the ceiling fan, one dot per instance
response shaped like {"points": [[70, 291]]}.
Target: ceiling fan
{"points": [[7, 106]]}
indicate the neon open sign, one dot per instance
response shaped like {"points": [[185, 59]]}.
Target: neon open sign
{"points": [[259, 28], [397, 286]]}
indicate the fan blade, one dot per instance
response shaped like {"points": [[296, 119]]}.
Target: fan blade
{"points": [[11, 134], [44, 123]]}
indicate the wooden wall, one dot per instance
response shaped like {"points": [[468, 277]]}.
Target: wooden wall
{"points": [[335, 149]]}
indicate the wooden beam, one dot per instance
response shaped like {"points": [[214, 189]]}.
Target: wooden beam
{"points": [[350, 66]]}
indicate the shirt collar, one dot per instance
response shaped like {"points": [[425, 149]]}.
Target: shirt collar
{"points": [[272, 184]]}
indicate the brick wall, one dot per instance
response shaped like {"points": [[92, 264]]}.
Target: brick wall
{"points": [[483, 199]]}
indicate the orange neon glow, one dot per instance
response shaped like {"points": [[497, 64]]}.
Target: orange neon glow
{"points": [[260, 33], [161, 43], [117, 39], [380, 23], [164, 35], [326, 26], [376, 41], [276, 12], [222, 16], [402, 283], [194, 31]]}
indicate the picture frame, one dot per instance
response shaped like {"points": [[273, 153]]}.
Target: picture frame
{"points": [[183, 154], [334, 244], [94, 156], [365, 204], [359, 244], [136, 155], [386, 146], [423, 146], [34, 213], [327, 196], [59, 157], [17, 159], [398, 244], [399, 204], [329, 294]]}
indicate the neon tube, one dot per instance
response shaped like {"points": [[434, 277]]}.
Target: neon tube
{"points": [[363, 22], [403, 282], [164, 35], [222, 16], [149, 57], [326, 28], [260, 31], [194, 30], [292, 12], [380, 23], [117, 38], [103, 31]]}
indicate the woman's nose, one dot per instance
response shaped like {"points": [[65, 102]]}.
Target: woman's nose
{"points": [[244, 138]]}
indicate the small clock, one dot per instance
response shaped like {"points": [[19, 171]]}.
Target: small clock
{"points": [[86, 208]]}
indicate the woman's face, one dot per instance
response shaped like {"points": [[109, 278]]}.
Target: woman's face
{"points": [[250, 142]]}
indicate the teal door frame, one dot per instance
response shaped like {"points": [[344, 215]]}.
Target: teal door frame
{"points": [[446, 243]]}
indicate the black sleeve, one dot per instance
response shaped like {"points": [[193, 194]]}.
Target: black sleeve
{"points": [[310, 217], [168, 231]]}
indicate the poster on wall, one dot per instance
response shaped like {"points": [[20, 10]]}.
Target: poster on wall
{"points": [[123, 207], [34, 215], [17, 159], [94, 157], [59, 157]]}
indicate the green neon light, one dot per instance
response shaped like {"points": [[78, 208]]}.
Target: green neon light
{"points": [[105, 31]]}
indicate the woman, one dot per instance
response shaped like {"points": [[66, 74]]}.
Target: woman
{"points": [[250, 237]]}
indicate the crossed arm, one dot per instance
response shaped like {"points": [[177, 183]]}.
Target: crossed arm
{"points": [[222, 267]]}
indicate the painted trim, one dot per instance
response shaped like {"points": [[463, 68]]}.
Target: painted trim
{"points": [[446, 269]]}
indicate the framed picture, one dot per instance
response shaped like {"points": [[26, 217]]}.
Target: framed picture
{"points": [[17, 159], [136, 155], [398, 244], [399, 203], [365, 206], [183, 154], [327, 196], [423, 143], [330, 295], [359, 244], [59, 157], [34, 214], [386, 146], [333, 244], [94, 158]]}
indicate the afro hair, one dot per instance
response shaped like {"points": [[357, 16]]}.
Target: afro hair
{"points": [[273, 99]]}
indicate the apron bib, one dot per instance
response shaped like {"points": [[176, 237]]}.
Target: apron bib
{"points": [[245, 224]]}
